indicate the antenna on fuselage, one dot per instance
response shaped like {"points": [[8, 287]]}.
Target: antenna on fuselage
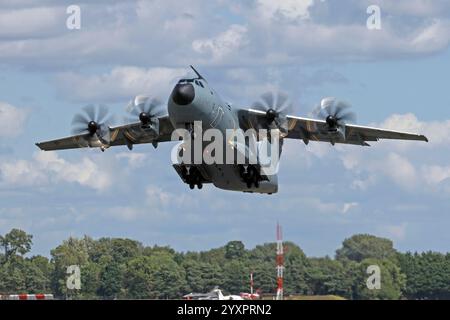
{"points": [[197, 73]]}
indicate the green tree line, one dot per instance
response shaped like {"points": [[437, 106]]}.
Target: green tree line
{"points": [[115, 268]]}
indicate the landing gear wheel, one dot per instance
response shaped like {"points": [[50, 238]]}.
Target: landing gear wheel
{"points": [[249, 184], [199, 186], [192, 186], [256, 184]]}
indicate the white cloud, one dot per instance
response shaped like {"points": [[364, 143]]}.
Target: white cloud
{"points": [[418, 8], [397, 232], [47, 167], [437, 132], [158, 197], [401, 170], [434, 174], [12, 120], [284, 9], [121, 83], [134, 159], [124, 213], [155, 207], [32, 22], [349, 206], [271, 32], [22, 173], [226, 43], [368, 165], [409, 164]]}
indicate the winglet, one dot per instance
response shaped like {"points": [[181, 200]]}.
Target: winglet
{"points": [[424, 138]]}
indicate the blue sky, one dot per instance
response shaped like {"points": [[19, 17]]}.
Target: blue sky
{"points": [[396, 77]]}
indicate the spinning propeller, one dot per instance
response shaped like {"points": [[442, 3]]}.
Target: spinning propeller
{"points": [[144, 109], [94, 121], [276, 107], [335, 113]]}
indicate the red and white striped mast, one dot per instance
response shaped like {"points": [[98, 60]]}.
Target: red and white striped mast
{"points": [[280, 263]]}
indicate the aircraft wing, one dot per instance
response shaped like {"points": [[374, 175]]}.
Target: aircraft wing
{"points": [[128, 134], [308, 129], [317, 130]]}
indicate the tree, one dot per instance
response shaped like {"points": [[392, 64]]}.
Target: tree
{"points": [[364, 246], [111, 279], [392, 281], [234, 250], [90, 280], [15, 242], [119, 250], [123, 268], [72, 251], [295, 274], [263, 276], [45, 268], [36, 280], [427, 275], [327, 276], [235, 276], [155, 277]]}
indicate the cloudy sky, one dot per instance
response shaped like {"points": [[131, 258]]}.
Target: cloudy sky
{"points": [[396, 77]]}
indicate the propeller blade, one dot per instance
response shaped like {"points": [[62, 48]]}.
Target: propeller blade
{"points": [[281, 100], [80, 119], [348, 117], [259, 106], [79, 130], [283, 125], [135, 111], [340, 108], [90, 111], [102, 113], [268, 99]]}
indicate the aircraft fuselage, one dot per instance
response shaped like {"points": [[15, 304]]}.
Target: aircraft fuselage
{"points": [[193, 100]]}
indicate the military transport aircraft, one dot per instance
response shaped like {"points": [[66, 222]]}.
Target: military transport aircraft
{"points": [[193, 100]]}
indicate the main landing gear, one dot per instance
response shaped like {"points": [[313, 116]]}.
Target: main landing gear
{"points": [[192, 177], [250, 175]]}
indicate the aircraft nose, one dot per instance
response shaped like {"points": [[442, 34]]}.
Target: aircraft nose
{"points": [[183, 94]]}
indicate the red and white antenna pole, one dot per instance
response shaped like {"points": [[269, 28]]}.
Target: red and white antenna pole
{"points": [[251, 283], [280, 263]]}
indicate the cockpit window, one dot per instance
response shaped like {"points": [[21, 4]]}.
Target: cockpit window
{"points": [[186, 80], [197, 81]]}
